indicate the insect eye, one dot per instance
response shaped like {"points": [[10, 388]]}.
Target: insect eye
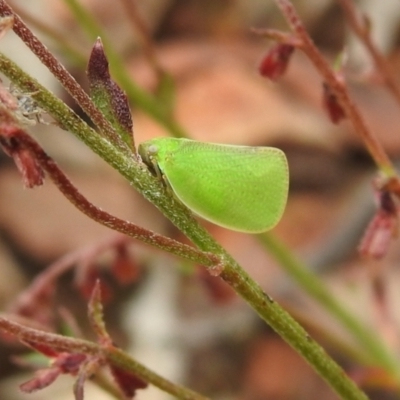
{"points": [[152, 150]]}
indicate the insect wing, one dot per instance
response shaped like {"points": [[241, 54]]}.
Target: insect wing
{"points": [[239, 187]]}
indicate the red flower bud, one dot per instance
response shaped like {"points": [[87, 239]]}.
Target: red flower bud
{"points": [[331, 105], [275, 62]]}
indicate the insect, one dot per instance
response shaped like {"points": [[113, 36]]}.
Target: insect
{"points": [[242, 188]]}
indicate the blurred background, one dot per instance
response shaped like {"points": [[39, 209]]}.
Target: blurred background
{"points": [[172, 316]]}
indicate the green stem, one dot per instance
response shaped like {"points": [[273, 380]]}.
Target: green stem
{"points": [[66, 118], [377, 352], [152, 189]]}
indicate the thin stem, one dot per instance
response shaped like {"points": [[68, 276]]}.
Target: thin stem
{"points": [[360, 28], [139, 176], [48, 276], [277, 36], [364, 336], [338, 87], [111, 354], [108, 220], [102, 147], [67, 47], [64, 77]]}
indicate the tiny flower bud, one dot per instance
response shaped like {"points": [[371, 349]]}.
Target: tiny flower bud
{"points": [[331, 105], [276, 61], [381, 229], [107, 95]]}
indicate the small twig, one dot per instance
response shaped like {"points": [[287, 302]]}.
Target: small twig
{"points": [[65, 78], [278, 36], [67, 46], [339, 88], [106, 219], [112, 354], [360, 28], [270, 311], [235, 276], [379, 353]]}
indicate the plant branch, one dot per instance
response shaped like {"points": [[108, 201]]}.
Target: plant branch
{"points": [[67, 47], [339, 88], [377, 352], [86, 207], [48, 277], [232, 272], [64, 77], [112, 354], [138, 175], [360, 27]]}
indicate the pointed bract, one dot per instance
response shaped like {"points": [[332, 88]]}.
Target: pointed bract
{"points": [[107, 95]]}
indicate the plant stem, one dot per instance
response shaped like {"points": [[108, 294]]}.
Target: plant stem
{"points": [[112, 354], [377, 352], [361, 29], [338, 87], [70, 121], [152, 189], [65, 78], [64, 45]]}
